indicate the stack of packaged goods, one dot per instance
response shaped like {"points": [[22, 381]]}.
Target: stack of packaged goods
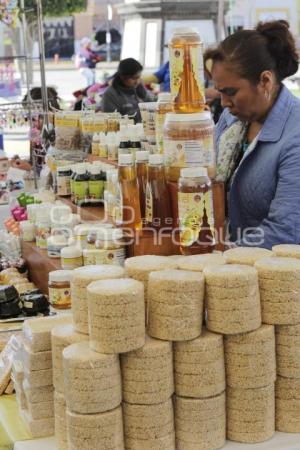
{"points": [[233, 308], [200, 414], [61, 337], [37, 385], [80, 280], [140, 267], [279, 279]]}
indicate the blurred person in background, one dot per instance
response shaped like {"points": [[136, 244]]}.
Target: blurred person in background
{"points": [[126, 90], [86, 61]]}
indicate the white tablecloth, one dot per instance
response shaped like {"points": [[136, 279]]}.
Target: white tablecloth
{"points": [[281, 441]]}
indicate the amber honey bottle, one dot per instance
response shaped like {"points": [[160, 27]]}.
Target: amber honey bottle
{"points": [[142, 158], [128, 211], [196, 214], [186, 71], [158, 206]]}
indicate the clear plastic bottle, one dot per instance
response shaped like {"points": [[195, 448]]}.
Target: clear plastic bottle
{"points": [[103, 146], [186, 70], [124, 147], [196, 212], [189, 142], [135, 142], [128, 211], [165, 105], [142, 158], [158, 206]]}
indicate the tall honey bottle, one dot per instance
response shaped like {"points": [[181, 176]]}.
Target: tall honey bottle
{"points": [[158, 206], [196, 213], [141, 161], [186, 71], [127, 211]]}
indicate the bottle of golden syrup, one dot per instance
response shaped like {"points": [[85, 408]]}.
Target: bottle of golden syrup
{"points": [[158, 206], [196, 213], [142, 158], [128, 211], [186, 71], [165, 104]]}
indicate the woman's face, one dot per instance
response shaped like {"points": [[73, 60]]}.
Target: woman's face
{"points": [[133, 81], [244, 100]]}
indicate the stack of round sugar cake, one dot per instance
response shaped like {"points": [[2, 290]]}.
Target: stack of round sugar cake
{"points": [[200, 423], [95, 431], [199, 366], [279, 283], [81, 278], [60, 421], [175, 304], [287, 394], [250, 414], [139, 268], [149, 426], [250, 358], [287, 350], [147, 373], [197, 263], [232, 296], [246, 255], [61, 337], [116, 315], [92, 380], [287, 250]]}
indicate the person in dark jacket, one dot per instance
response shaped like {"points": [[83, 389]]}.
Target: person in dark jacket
{"points": [[126, 91]]}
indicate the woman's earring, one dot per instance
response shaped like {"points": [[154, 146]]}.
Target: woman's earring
{"points": [[267, 96]]}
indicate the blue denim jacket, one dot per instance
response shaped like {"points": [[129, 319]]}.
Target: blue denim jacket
{"points": [[264, 200]]}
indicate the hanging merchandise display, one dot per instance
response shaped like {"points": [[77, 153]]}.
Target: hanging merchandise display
{"points": [[186, 71], [196, 213]]}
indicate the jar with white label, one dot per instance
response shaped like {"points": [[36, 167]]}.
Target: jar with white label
{"points": [[112, 246], [55, 244], [64, 181], [59, 289], [71, 257], [27, 231], [189, 142]]}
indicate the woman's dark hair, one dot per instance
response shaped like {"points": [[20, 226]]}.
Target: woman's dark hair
{"points": [[127, 68], [270, 46]]}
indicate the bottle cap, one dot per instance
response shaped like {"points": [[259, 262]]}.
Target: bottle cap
{"points": [[81, 170], [60, 276], [142, 155], [165, 97], [95, 169], [156, 159], [71, 252], [125, 159], [193, 172], [185, 31]]}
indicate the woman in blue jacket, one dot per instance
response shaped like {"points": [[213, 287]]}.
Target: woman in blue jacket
{"points": [[258, 134]]}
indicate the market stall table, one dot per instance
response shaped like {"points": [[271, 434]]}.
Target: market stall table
{"points": [[281, 441]]}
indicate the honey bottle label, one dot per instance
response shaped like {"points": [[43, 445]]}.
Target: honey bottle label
{"points": [[149, 204], [196, 218]]}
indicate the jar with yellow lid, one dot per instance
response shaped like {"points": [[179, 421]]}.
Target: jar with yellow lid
{"points": [[59, 289], [189, 142]]}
